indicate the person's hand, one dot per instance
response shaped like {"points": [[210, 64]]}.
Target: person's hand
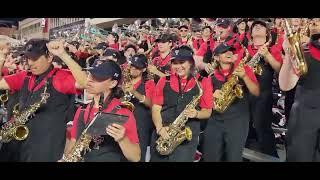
{"points": [[239, 71], [4, 50], [191, 113], [56, 48], [263, 50], [209, 68], [72, 48], [304, 39], [218, 94], [9, 62], [152, 68], [163, 132], [116, 131], [140, 51]]}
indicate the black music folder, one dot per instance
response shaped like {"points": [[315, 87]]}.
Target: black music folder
{"points": [[103, 120]]}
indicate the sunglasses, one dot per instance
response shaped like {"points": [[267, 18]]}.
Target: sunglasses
{"points": [[183, 30]]}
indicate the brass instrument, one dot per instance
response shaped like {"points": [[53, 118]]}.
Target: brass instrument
{"points": [[178, 132], [299, 62], [17, 129], [230, 90], [254, 61], [125, 100], [150, 74], [3, 112], [81, 146]]}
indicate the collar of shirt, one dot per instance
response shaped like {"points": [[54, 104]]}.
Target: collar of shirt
{"points": [[314, 51], [34, 86], [114, 102], [185, 84], [137, 84], [163, 61]]}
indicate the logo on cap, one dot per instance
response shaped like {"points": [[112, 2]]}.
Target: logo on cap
{"points": [[116, 75], [177, 52], [136, 59], [29, 46]]}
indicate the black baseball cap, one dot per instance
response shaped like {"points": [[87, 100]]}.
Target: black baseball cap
{"points": [[139, 61], [182, 53], [102, 46], [112, 52], [224, 23], [164, 38], [222, 48], [183, 26], [131, 46], [206, 28], [259, 21], [105, 70], [35, 48]]}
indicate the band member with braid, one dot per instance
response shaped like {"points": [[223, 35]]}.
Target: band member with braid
{"points": [[161, 64], [261, 106], [121, 141], [142, 90], [172, 94], [47, 128], [226, 132], [303, 127]]}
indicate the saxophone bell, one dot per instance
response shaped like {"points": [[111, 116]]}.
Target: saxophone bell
{"points": [[238, 91], [21, 133], [258, 70]]}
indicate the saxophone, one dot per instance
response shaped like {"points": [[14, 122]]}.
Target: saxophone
{"points": [[17, 129], [299, 62], [230, 90], [81, 147], [254, 61], [125, 100], [177, 130]]}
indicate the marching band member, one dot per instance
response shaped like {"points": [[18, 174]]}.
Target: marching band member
{"points": [[121, 141], [47, 129], [184, 39], [172, 94], [161, 64], [226, 133], [142, 90], [303, 127], [261, 106], [112, 41]]}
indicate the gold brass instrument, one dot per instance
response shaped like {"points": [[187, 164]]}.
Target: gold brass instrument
{"points": [[17, 129], [254, 61], [125, 100], [230, 90], [3, 112], [81, 146], [178, 132], [4, 98], [299, 62]]}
